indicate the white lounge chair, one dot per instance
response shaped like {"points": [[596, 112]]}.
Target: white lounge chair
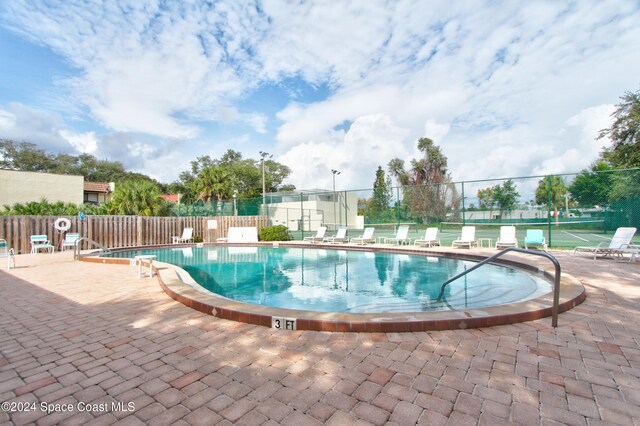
{"points": [[366, 237], [187, 236], [5, 251], [430, 238], [242, 234], [70, 240], [507, 237], [467, 237], [535, 238], [319, 235], [618, 246], [402, 236], [40, 242], [340, 237]]}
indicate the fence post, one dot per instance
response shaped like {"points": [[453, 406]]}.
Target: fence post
{"points": [[549, 209], [140, 230], [302, 216], [346, 212], [398, 205], [463, 215]]}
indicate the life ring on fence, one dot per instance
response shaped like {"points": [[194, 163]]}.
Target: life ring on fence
{"points": [[62, 224]]}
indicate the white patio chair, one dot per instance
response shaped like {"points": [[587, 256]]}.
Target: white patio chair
{"points": [[430, 238], [467, 238], [402, 236], [319, 235], [366, 237], [187, 236], [507, 237], [619, 244], [340, 237]]}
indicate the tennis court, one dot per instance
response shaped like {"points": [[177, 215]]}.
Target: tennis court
{"points": [[564, 235]]}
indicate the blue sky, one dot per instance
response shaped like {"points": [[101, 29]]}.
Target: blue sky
{"points": [[505, 88]]}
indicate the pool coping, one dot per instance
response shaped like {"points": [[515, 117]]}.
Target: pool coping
{"points": [[179, 285]]}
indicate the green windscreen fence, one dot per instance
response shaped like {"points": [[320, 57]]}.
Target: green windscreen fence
{"points": [[571, 209]]}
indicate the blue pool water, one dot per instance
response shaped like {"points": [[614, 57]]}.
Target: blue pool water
{"points": [[347, 281]]}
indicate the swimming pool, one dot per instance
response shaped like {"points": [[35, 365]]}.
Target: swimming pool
{"points": [[347, 281]]}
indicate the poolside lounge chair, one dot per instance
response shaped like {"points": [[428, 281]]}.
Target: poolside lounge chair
{"points": [[619, 244], [467, 237], [5, 251], [535, 238], [70, 240], [402, 236], [340, 237], [319, 235], [507, 237], [39, 242], [242, 234], [366, 237], [187, 236], [430, 238]]}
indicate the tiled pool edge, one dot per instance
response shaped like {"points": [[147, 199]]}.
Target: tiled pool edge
{"points": [[572, 293]]}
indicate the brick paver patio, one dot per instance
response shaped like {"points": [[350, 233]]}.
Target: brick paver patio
{"points": [[92, 344]]}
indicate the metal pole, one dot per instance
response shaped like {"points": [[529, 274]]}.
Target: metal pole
{"points": [[264, 182], [398, 205], [549, 209], [463, 215], [556, 281], [335, 218]]}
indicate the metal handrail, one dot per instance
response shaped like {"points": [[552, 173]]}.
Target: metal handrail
{"points": [[76, 247], [556, 281]]}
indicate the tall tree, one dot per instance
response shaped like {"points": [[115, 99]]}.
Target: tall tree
{"points": [[624, 132], [213, 183], [137, 197], [427, 188], [552, 186], [243, 175], [26, 156], [592, 187], [382, 194], [506, 196], [486, 198]]}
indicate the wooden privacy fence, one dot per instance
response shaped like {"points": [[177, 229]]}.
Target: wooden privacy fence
{"points": [[121, 231]]}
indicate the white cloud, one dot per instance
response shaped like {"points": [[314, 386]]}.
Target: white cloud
{"points": [[505, 89], [20, 122], [578, 141], [82, 142], [371, 141]]}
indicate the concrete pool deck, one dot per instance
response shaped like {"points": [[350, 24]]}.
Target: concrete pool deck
{"points": [[77, 337]]}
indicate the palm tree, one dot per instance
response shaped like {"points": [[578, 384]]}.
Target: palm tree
{"points": [[137, 197], [426, 186], [552, 186], [213, 183]]}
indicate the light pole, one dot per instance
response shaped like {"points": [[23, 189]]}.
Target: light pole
{"points": [[334, 172], [264, 184], [235, 206]]}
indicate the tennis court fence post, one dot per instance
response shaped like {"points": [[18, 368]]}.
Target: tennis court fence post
{"points": [[549, 210], [463, 215]]}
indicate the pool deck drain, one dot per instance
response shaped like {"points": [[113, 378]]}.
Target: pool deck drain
{"points": [[75, 332]]}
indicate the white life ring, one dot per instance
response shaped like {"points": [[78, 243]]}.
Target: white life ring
{"points": [[62, 224]]}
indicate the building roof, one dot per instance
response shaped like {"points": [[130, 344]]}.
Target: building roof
{"points": [[174, 198], [97, 187]]}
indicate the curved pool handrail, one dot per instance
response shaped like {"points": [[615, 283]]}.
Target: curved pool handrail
{"points": [[76, 247], [556, 281]]}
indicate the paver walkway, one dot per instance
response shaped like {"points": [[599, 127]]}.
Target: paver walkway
{"points": [[92, 344]]}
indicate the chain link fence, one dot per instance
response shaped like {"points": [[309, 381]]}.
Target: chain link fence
{"points": [[571, 209]]}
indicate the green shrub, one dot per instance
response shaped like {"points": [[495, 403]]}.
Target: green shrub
{"points": [[197, 239], [275, 233]]}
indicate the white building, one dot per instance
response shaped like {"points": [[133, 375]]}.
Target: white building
{"points": [[308, 209], [23, 187]]}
